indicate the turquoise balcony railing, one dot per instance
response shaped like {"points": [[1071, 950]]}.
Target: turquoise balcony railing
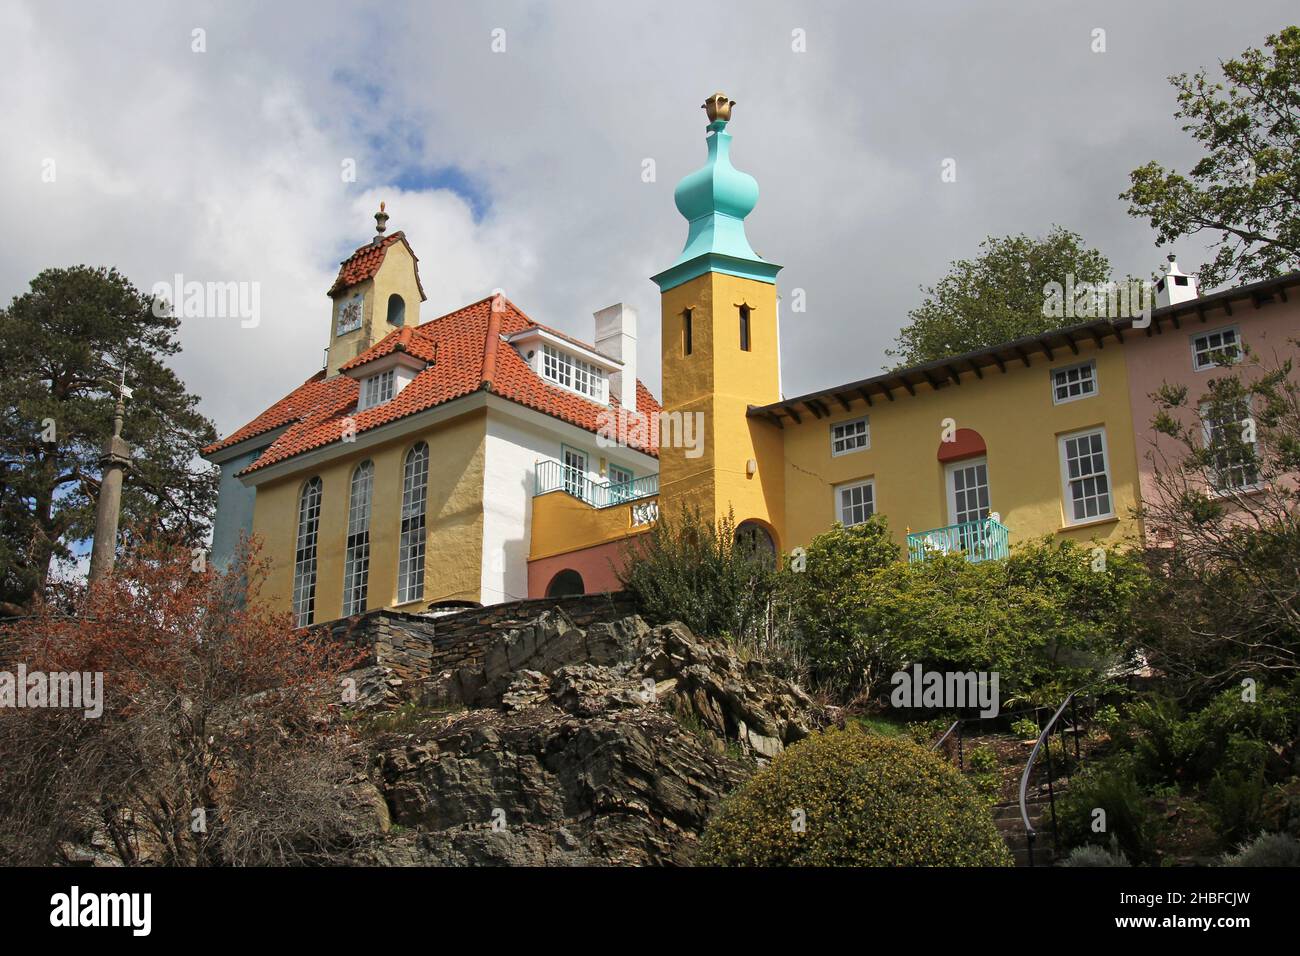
{"points": [[983, 540], [553, 476]]}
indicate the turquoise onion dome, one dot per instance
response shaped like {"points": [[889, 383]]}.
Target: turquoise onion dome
{"points": [[714, 200]]}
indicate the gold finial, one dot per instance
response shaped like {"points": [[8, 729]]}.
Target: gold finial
{"points": [[381, 222], [718, 107]]}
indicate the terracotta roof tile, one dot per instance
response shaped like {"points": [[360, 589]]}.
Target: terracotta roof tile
{"points": [[364, 263], [467, 353]]}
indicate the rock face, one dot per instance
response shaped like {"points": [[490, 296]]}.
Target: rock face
{"points": [[609, 745]]}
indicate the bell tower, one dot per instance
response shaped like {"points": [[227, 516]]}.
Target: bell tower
{"points": [[377, 290], [720, 348]]}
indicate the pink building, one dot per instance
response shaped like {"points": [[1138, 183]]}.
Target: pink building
{"points": [[1189, 337]]}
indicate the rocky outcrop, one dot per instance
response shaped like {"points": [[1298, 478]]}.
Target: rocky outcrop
{"points": [[610, 744]]}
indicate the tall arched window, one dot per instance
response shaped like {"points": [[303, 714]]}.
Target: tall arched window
{"points": [[410, 556], [356, 558], [396, 309], [304, 557]]}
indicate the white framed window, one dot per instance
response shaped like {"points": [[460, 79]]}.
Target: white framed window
{"points": [[968, 490], [1074, 382], [1085, 476], [850, 436], [304, 557], [856, 502], [1230, 437], [572, 373], [356, 556], [410, 556], [1209, 347], [377, 389]]}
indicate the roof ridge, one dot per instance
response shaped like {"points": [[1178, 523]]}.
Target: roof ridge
{"points": [[490, 343]]}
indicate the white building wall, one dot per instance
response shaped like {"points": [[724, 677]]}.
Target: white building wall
{"points": [[517, 438]]}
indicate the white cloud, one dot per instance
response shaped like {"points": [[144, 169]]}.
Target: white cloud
{"points": [[225, 165]]}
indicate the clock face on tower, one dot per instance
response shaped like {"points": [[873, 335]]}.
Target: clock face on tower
{"points": [[348, 313]]}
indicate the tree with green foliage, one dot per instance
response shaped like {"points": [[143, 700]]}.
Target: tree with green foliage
{"points": [[847, 798], [1245, 189], [61, 347], [998, 296]]}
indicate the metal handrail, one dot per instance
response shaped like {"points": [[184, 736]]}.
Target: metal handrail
{"points": [[1034, 756]]}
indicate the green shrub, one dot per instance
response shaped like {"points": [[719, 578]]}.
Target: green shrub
{"points": [[925, 733], [1106, 717], [1268, 849], [982, 759], [1236, 798], [691, 569], [832, 598], [1108, 785], [865, 800], [1026, 728], [1092, 855]]}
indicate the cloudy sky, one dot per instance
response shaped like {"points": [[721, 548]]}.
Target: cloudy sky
{"points": [[521, 168]]}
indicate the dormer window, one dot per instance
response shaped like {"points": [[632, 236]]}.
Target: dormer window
{"points": [[377, 389], [573, 373]]}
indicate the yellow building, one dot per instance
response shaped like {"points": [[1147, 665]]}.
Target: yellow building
{"points": [[482, 456]]}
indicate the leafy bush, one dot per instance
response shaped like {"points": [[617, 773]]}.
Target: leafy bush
{"points": [[1092, 855], [1268, 849], [1026, 728], [1043, 619], [865, 800], [690, 569], [1227, 735], [832, 596], [1108, 785], [982, 759]]}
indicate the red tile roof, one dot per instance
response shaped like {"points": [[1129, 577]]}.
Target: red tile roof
{"points": [[365, 262], [468, 354]]}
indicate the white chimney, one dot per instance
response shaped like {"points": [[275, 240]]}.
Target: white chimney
{"points": [[1175, 285], [616, 339]]}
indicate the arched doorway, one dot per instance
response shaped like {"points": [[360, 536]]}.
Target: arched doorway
{"points": [[754, 539], [566, 584]]}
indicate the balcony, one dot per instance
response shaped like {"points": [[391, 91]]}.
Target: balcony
{"points": [[982, 540], [553, 476]]}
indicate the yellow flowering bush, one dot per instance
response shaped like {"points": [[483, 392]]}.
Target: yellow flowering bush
{"points": [[848, 798]]}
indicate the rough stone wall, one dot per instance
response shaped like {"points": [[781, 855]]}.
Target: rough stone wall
{"points": [[416, 648]]}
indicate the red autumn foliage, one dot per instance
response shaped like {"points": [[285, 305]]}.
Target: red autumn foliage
{"points": [[217, 742]]}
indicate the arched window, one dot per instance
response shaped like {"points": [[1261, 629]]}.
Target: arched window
{"points": [[396, 309], [755, 541], [744, 328], [356, 558], [304, 557], [566, 583], [410, 556]]}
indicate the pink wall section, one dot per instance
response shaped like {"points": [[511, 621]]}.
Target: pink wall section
{"points": [[1166, 356], [596, 565]]}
